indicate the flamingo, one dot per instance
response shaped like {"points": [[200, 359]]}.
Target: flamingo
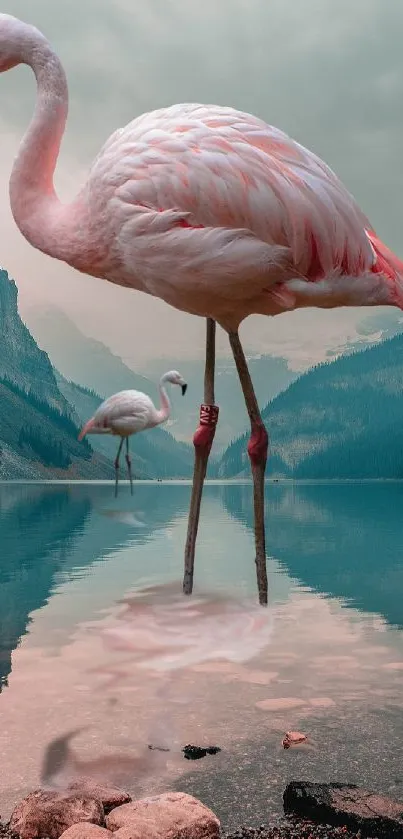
{"points": [[213, 211], [128, 412]]}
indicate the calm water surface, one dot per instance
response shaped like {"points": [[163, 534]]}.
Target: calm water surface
{"points": [[95, 636]]}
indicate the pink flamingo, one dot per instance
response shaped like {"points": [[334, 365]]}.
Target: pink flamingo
{"points": [[211, 210], [128, 412]]}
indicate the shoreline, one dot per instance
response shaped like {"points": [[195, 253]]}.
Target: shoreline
{"points": [[291, 828], [188, 481], [283, 829]]}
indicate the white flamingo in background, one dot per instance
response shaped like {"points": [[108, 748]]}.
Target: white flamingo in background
{"points": [[128, 412], [209, 209]]}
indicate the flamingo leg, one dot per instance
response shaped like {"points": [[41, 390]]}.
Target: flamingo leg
{"points": [[129, 465], [202, 441], [117, 466], [257, 451]]}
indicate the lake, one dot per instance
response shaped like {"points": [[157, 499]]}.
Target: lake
{"points": [[96, 636]]}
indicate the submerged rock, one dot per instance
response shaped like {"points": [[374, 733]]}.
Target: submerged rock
{"points": [[197, 752], [293, 738], [346, 805]]}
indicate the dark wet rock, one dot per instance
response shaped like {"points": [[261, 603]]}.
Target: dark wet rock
{"points": [[49, 814], [346, 805], [158, 748], [190, 752], [6, 832], [197, 752]]}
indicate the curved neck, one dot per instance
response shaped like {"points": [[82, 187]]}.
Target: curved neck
{"points": [[34, 204], [165, 410]]}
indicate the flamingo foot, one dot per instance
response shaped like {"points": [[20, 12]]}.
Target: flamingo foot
{"points": [[257, 450]]}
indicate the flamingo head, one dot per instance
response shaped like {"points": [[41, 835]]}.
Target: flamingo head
{"points": [[175, 378], [17, 42]]}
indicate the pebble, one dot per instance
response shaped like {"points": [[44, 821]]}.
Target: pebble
{"points": [[292, 829], [6, 833]]}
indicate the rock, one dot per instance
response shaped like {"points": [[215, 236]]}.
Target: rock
{"points": [[293, 738], [50, 813], [83, 830], [139, 830], [197, 752], [346, 805], [109, 796], [168, 816]]}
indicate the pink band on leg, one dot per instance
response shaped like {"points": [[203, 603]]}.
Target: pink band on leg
{"points": [[204, 435]]}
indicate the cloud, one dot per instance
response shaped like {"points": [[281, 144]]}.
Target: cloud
{"points": [[329, 74]]}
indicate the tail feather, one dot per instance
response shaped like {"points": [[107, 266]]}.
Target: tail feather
{"points": [[87, 428], [388, 264]]}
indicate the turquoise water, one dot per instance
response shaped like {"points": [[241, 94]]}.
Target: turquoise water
{"points": [[76, 649]]}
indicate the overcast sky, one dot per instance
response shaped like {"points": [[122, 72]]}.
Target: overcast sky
{"points": [[330, 74]]}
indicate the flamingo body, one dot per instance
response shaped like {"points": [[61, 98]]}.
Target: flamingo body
{"points": [[221, 215], [125, 413]]}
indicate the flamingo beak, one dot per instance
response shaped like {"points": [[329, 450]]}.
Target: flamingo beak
{"points": [[184, 388]]}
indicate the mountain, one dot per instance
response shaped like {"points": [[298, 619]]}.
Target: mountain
{"points": [[38, 435], [92, 365], [39, 441], [342, 419], [41, 414], [20, 357], [84, 360]]}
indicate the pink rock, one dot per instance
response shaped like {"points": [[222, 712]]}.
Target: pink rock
{"points": [[139, 830], [109, 796], [86, 831], [50, 813], [164, 816], [293, 738]]}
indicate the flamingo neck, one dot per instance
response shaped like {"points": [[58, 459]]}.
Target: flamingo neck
{"points": [[36, 209], [165, 408]]}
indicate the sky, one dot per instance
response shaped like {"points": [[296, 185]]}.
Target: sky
{"points": [[329, 74]]}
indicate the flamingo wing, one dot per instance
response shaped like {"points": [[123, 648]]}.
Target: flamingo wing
{"points": [[129, 409], [230, 175]]}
